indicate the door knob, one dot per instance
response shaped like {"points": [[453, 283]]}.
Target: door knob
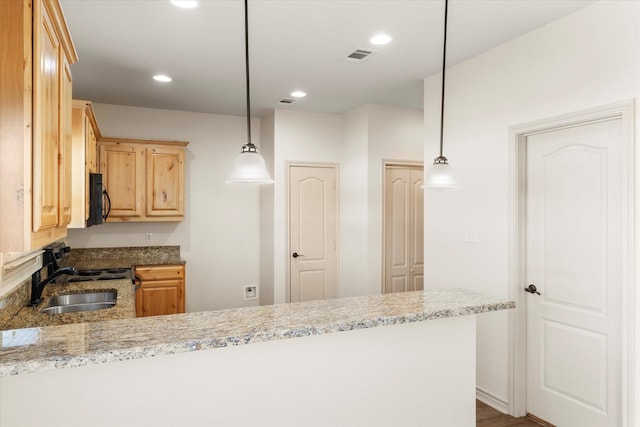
{"points": [[296, 255], [532, 289]]}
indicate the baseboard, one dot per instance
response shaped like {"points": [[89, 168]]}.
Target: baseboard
{"points": [[491, 400]]}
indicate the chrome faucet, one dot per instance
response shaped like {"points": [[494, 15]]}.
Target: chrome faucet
{"points": [[37, 286]]}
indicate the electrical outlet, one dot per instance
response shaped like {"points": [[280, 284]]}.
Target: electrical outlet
{"points": [[250, 292], [471, 236], [149, 237]]}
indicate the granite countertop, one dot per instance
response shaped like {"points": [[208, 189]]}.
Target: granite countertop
{"points": [[93, 258], [37, 349], [82, 258], [29, 317]]}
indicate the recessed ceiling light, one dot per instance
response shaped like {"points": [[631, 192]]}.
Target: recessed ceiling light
{"points": [[380, 39], [185, 4], [298, 94], [162, 78]]}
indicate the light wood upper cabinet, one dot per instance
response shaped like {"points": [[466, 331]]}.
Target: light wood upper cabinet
{"points": [[35, 107], [65, 147], [122, 168], [84, 160], [144, 179], [165, 181], [46, 93]]}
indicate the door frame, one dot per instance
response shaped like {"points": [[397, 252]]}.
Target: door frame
{"points": [[287, 210], [517, 375], [383, 200]]}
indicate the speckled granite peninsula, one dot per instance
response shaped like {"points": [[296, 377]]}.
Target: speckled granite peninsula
{"points": [[36, 349], [404, 359]]}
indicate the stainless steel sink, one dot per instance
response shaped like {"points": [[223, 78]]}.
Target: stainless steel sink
{"points": [[72, 303]]}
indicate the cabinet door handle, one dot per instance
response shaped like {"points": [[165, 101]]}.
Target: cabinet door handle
{"points": [[105, 216]]}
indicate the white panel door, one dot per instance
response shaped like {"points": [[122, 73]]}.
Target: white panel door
{"points": [[312, 232], [403, 229], [573, 257]]}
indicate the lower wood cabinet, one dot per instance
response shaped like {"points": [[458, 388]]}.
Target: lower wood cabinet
{"points": [[160, 290]]}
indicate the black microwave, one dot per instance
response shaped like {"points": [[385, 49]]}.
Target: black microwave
{"points": [[99, 201]]}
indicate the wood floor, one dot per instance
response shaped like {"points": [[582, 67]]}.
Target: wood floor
{"points": [[486, 416]]}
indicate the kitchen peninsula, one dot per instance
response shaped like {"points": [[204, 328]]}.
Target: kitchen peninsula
{"points": [[395, 359]]}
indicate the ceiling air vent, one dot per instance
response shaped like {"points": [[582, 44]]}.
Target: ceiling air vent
{"points": [[286, 101], [359, 55]]}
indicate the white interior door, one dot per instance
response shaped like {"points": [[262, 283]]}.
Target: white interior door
{"points": [[312, 232], [403, 229], [573, 257]]}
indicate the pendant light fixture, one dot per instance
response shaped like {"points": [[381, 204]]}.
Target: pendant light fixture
{"points": [[249, 166], [440, 175]]}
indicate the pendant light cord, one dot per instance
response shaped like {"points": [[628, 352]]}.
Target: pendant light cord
{"points": [[246, 61], [444, 62]]}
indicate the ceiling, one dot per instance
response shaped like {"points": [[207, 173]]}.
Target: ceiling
{"points": [[299, 44]]}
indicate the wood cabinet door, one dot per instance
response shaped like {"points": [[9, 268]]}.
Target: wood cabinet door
{"points": [[165, 181], [46, 70], [15, 125], [36, 50], [122, 167], [91, 160], [66, 134], [91, 149], [160, 297], [84, 160]]}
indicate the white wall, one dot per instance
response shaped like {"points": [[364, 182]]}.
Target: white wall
{"points": [[217, 264], [584, 60], [299, 137], [354, 190], [394, 134], [267, 262], [372, 134], [358, 142]]}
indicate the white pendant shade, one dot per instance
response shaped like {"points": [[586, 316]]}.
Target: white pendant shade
{"points": [[249, 168], [440, 175]]}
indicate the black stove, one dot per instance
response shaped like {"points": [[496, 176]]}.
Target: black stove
{"points": [[99, 274], [57, 252]]}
